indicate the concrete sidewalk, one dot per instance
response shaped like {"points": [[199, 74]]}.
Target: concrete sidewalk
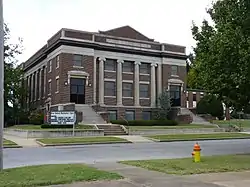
{"points": [[135, 139], [21, 141]]}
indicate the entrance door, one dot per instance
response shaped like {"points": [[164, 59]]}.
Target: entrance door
{"points": [[77, 90], [175, 94]]}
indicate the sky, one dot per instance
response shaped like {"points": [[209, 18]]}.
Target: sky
{"points": [[166, 21]]}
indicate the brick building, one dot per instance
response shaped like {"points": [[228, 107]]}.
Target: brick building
{"points": [[119, 72]]}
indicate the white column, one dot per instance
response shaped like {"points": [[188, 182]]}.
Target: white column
{"points": [[94, 81], [40, 84], [159, 79], [32, 88], [101, 80], [45, 81], [153, 94], [137, 84], [119, 82]]}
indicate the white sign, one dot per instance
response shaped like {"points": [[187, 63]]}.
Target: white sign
{"points": [[62, 118]]}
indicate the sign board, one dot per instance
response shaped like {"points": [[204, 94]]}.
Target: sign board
{"points": [[62, 118]]}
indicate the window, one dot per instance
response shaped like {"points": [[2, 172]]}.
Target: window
{"points": [[110, 65], [57, 84], [77, 60], [109, 88], [49, 87], [144, 68], [112, 115], [194, 97], [128, 67], [127, 89], [130, 115], [174, 70], [50, 66], [146, 115], [144, 89], [57, 61]]}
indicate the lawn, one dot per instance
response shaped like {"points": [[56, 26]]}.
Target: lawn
{"points": [[82, 140], [185, 166], [240, 123], [52, 174], [184, 126], [38, 127], [186, 137], [8, 143]]}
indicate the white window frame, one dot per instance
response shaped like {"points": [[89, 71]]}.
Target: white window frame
{"points": [[57, 85], [57, 61]]}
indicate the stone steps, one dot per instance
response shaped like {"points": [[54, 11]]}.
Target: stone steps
{"points": [[112, 130]]}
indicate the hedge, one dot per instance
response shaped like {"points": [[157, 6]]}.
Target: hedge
{"points": [[146, 122], [48, 126]]}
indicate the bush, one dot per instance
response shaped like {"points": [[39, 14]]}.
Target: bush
{"points": [[36, 118], [48, 126], [146, 122], [209, 104]]}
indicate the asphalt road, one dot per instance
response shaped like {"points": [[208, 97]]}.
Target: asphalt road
{"points": [[117, 152]]}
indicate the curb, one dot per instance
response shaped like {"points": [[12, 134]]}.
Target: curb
{"points": [[202, 139], [12, 146], [69, 144]]}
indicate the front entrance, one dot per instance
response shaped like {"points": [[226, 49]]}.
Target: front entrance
{"points": [[175, 94], [77, 90]]}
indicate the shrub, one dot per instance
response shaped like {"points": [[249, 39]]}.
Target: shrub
{"points": [[36, 118], [209, 104], [146, 122], [48, 126]]}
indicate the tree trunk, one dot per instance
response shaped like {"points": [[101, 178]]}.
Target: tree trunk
{"points": [[227, 113]]}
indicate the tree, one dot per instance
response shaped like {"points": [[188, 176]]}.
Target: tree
{"points": [[164, 105], [14, 91], [222, 53]]}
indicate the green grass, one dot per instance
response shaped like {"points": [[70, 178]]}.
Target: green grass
{"points": [[240, 123], [8, 143], [184, 126], [52, 174], [80, 140], [38, 127], [185, 166], [183, 137]]}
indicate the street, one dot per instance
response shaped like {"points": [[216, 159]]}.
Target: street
{"points": [[116, 152]]}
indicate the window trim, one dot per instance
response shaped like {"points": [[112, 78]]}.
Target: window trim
{"points": [[132, 67], [49, 87]]}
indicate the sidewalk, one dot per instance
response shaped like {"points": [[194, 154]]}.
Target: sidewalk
{"points": [[138, 177], [135, 139], [21, 141]]}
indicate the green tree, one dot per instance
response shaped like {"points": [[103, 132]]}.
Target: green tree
{"points": [[164, 106], [222, 53], [14, 91]]}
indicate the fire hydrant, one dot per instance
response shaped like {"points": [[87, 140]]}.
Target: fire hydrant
{"points": [[196, 153]]}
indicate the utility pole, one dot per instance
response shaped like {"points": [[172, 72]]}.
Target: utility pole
{"points": [[1, 83]]}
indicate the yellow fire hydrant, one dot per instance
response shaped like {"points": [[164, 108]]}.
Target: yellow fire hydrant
{"points": [[196, 153]]}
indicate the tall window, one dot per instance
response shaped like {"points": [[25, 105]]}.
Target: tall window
{"points": [[128, 66], [57, 84], [112, 115], [144, 68], [77, 60], [130, 115], [50, 66], [144, 90], [174, 70], [110, 65], [109, 88], [127, 89], [77, 90], [49, 87], [57, 61]]}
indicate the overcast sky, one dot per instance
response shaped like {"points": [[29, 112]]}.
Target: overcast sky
{"points": [[166, 21]]}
